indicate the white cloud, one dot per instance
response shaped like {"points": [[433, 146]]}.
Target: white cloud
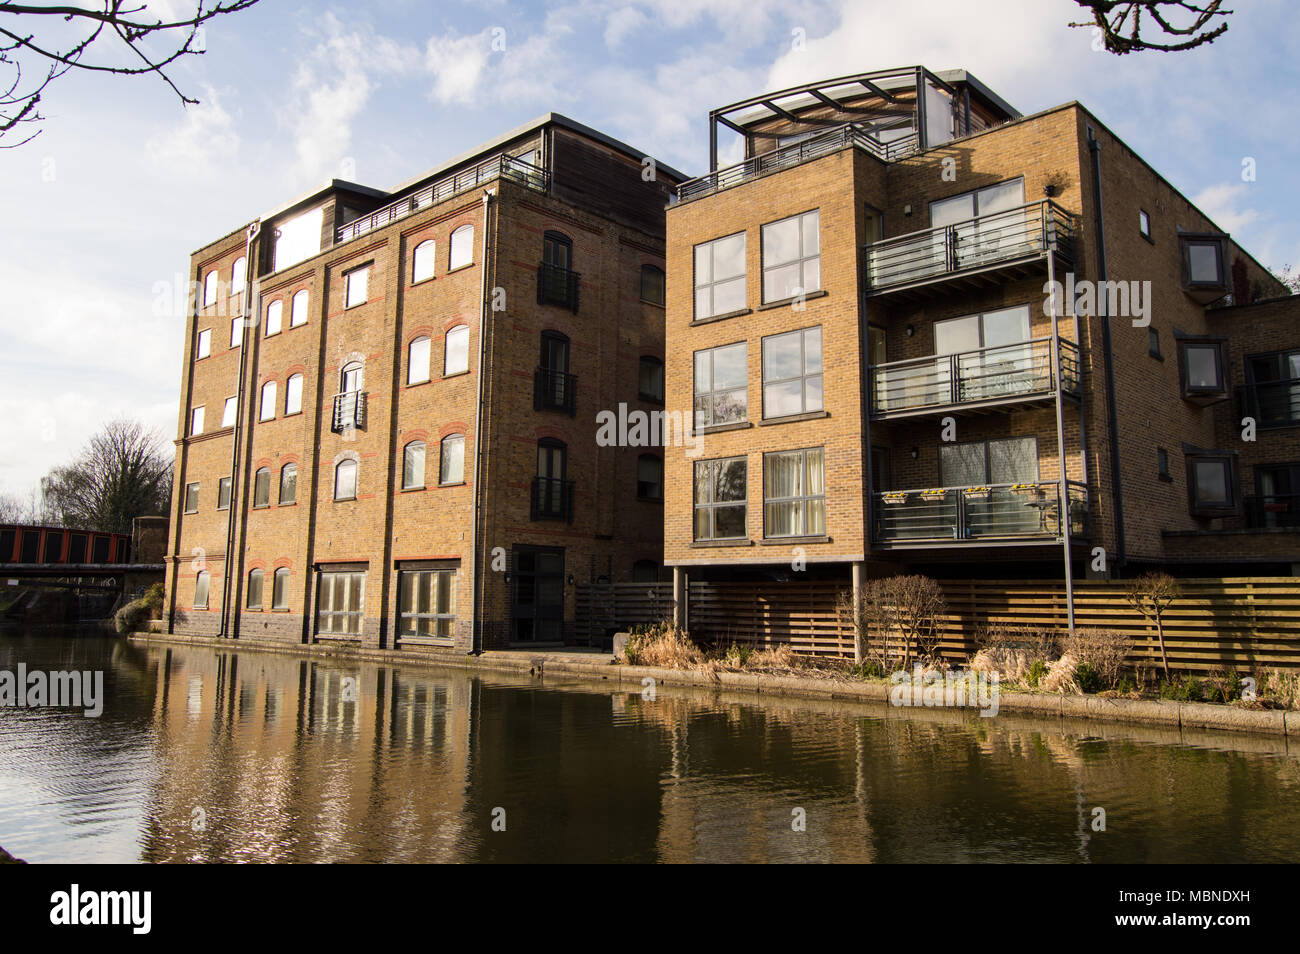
{"points": [[498, 65], [1227, 204], [621, 23], [207, 136]]}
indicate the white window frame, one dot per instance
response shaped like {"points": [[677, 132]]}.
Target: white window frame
{"points": [[456, 341], [419, 358], [461, 247], [356, 287], [802, 260], [424, 258]]}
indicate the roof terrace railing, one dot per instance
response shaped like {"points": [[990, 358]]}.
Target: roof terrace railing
{"points": [[497, 167], [785, 157]]}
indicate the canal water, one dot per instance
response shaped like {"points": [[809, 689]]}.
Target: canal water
{"points": [[202, 755]]}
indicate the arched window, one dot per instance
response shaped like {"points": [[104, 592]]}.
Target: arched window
{"points": [[462, 247], [351, 377], [418, 354], [288, 484], [210, 288], [413, 465], [262, 488], [652, 284], [345, 480], [452, 470], [650, 380], [422, 261], [201, 582], [268, 401], [293, 394], [254, 590], [237, 276], [280, 589], [649, 477], [557, 283], [274, 317], [455, 356], [298, 313], [554, 387], [557, 250]]}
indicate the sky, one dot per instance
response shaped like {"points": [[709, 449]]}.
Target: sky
{"points": [[103, 209]]}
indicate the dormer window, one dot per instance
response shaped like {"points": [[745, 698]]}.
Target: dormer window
{"points": [[1202, 369], [1205, 265]]}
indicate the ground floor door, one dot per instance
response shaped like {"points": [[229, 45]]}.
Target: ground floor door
{"points": [[537, 595]]}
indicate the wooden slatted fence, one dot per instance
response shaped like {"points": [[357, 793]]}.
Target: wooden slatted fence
{"points": [[1242, 623]]}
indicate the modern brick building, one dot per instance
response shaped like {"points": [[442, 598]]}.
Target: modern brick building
{"points": [[386, 402], [858, 312]]}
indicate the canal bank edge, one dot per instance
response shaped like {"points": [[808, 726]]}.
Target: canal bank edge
{"points": [[1166, 712]]}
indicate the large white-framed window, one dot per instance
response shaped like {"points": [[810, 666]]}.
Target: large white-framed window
{"points": [[417, 360], [210, 283], [794, 493], [426, 602], [721, 489], [462, 247], [792, 256], [203, 347], [298, 238], [792, 373], [293, 394], [236, 331], [196, 421], [238, 276], [721, 385], [720, 276], [340, 602], [229, 411], [455, 359], [422, 261]]}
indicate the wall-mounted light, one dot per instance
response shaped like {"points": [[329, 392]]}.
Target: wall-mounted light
{"points": [[570, 579], [911, 330], [907, 210], [916, 452]]}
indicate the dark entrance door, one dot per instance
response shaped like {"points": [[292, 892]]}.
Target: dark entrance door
{"points": [[537, 595]]}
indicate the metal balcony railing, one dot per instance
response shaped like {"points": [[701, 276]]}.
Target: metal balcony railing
{"points": [[349, 411], [1273, 510], [557, 286], [785, 157], [555, 391], [987, 375], [552, 499], [497, 167], [1271, 403], [962, 514], [1022, 233]]}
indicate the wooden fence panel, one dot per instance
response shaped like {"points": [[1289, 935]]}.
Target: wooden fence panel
{"points": [[604, 607], [1242, 622]]}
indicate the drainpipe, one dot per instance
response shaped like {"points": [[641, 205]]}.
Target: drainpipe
{"points": [[1064, 484], [1094, 147], [476, 601], [227, 575]]}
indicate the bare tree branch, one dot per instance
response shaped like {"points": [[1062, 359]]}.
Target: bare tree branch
{"points": [[1121, 21], [131, 24]]}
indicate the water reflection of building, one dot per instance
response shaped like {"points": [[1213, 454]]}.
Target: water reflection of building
{"points": [[298, 760]]}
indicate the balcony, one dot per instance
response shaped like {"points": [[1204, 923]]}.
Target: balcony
{"points": [[1009, 374], [1273, 511], [557, 286], [795, 154], [555, 391], [987, 250], [1000, 514], [1271, 403], [497, 167], [349, 412], [552, 499]]}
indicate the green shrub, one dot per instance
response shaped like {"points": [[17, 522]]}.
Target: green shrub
{"points": [[1182, 690], [132, 617], [1036, 670], [868, 669], [1088, 678], [738, 654]]}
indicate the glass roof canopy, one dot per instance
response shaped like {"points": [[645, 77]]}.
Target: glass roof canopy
{"points": [[888, 104]]}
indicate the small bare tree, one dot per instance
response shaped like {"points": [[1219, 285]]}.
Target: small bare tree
{"points": [[123, 472], [30, 60], [1151, 594], [1182, 25], [904, 612]]}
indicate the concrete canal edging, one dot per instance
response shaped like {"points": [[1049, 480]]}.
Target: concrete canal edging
{"points": [[599, 668]]}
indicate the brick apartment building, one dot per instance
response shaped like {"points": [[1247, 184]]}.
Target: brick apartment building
{"points": [[386, 399], [857, 312]]}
